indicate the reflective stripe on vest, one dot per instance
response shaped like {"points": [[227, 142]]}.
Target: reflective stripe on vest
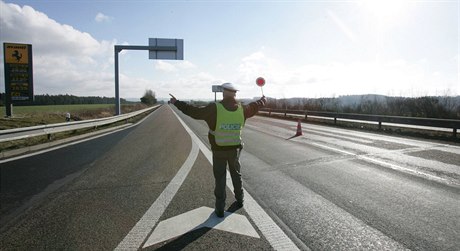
{"points": [[229, 126]]}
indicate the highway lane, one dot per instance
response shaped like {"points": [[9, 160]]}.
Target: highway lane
{"points": [[114, 179], [336, 189]]}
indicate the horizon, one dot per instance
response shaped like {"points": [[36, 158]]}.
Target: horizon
{"points": [[304, 49], [255, 98]]}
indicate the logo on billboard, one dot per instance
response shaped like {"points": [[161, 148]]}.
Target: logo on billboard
{"points": [[16, 54]]}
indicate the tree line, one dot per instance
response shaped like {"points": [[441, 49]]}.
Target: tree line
{"points": [[66, 99], [148, 98], [445, 107]]}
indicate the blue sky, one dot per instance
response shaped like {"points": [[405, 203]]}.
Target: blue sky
{"points": [[302, 48]]}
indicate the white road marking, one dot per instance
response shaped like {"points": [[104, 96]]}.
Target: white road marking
{"points": [[382, 163], [373, 158], [200, 218], [271, 231], [144, 226]]}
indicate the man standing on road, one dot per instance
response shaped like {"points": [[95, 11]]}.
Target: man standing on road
{"points": [[225, 120]]}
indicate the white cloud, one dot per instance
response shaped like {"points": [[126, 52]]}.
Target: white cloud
{"points": [[100, 17], [283, 80], [66, 60], [164, 66], [171, 66], [258, 64], [184, 64], [193, 86]]}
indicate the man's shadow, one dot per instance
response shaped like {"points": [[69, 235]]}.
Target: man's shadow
{"points": [[184, 240]]}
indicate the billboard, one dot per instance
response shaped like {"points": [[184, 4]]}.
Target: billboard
{"points": [[18, 72]]}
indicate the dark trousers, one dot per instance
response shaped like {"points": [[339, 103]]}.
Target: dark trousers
{"points": [[220, 159]]}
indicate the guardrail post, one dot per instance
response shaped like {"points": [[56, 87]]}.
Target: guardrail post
{"points": [[285, 113], [455, 133], [380, 125], [306, 115], [335, 120], [269, 112]]}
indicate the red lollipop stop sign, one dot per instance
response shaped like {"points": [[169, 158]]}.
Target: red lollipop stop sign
{"points": [[260, 81]]}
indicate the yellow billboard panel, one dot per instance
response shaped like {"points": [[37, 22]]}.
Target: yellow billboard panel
{"points": [[16, 54]]}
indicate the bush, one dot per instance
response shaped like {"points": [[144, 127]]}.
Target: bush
{"points": [[149, 98]]}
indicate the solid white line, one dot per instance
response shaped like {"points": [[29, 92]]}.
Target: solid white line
{"points": [[272, 232], [144, 226]]}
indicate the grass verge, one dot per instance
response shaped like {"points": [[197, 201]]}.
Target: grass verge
{"points": [[25, 116], [51, 115]]}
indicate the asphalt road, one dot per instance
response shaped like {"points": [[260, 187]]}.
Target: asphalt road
{"points": [[358, 189], [329, 189]]}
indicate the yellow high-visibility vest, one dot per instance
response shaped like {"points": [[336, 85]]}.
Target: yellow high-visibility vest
{"points": [[229, 126]]}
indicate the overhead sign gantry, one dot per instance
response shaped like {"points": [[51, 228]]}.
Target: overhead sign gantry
{"points": [[159, 48]]}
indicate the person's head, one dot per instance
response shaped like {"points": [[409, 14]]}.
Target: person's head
{"points": [[229, 90]]}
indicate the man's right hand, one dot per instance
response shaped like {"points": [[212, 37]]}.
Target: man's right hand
{"points": [[262, 101], [173, 99]]}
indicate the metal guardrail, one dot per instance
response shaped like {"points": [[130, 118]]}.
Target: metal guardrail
{"points": [[439, 123], [33, 131]]}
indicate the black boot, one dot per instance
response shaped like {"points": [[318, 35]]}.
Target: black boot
{"points": [[219, 213]]}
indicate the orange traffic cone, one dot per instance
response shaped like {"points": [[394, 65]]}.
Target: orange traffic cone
{"points": [[299, 129]]}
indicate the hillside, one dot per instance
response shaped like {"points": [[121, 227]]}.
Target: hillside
{"points": [[445, 107]]}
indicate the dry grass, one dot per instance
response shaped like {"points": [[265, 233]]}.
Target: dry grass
{"points": [[25, 116], [32, 116]]}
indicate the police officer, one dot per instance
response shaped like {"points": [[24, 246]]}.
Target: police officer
{"points": [[225, 120]]}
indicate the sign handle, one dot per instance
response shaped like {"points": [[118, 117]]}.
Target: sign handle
{"points": [[260, 81]]}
